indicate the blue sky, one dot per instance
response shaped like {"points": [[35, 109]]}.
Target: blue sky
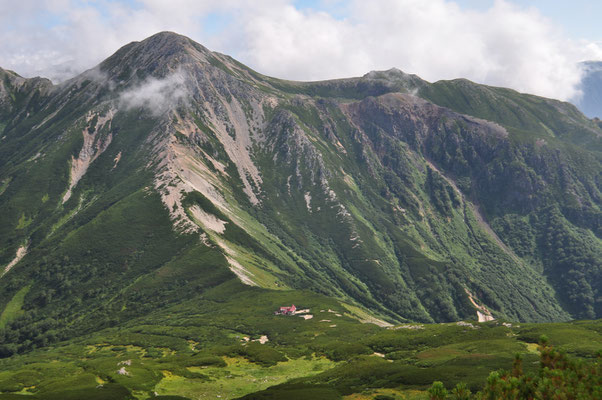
{"points": [[530, 45]]}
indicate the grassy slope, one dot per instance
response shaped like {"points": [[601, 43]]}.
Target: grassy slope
{"points": [[559, 231], [14, 307], [404, 255], [107, 254], [528, 115]]}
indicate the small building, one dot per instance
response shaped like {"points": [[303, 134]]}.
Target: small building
{"points": [[286, 310]]}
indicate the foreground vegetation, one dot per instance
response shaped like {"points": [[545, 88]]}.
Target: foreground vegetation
{"points": [[214, 345], [558, 377]]}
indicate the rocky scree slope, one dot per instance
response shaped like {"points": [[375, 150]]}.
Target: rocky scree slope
{"points": [[169, 169]]}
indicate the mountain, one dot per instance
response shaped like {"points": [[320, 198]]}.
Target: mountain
{"points": [[168, 171], [590, 100]]}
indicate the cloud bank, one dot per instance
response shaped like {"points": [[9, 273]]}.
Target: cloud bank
{"points": [[505, 45]]}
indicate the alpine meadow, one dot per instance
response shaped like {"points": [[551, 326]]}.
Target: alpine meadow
{"points": [[162, 212]]}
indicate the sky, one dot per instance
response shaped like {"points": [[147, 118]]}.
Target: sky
{"points": [[533, 46]]}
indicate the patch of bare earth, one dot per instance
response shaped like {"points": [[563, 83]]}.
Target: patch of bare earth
{"points": [[116, 160], [21, 252], [483, 313], [240, 272], [208, 221], [93, 147], [263, 339], [376, 321]]}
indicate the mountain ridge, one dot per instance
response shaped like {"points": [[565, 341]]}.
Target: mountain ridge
{"points": [[169, 169]]}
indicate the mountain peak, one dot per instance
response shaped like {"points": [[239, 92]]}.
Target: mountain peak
{"points": [[391, 73], [157, 55], [167, 35], [396, 79], [167, 42]]}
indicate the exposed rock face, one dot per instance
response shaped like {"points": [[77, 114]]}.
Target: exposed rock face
{"points": [[409, 198], [94, 145]]}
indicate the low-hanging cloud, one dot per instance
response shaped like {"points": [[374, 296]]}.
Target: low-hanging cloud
{"points": [[505, 45], [156, 95]]}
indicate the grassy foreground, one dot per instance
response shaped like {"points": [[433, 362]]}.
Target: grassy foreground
{"points": [[227, 343]]}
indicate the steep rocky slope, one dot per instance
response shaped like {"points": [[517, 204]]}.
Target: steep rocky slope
{"points": [[169, 169]]}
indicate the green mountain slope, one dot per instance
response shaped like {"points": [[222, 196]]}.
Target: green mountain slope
{"points": [[169, 170]]}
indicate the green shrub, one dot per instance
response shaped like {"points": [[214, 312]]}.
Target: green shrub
{"points": [[257, 353], [437, 391]]}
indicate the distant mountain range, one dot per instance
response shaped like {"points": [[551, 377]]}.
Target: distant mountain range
{"points": [[169, 170], [590, 101]]}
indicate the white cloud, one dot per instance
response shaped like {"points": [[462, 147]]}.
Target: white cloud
{"points": [[436, 39], [505, 45], [156, 95], [83, 32]]}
